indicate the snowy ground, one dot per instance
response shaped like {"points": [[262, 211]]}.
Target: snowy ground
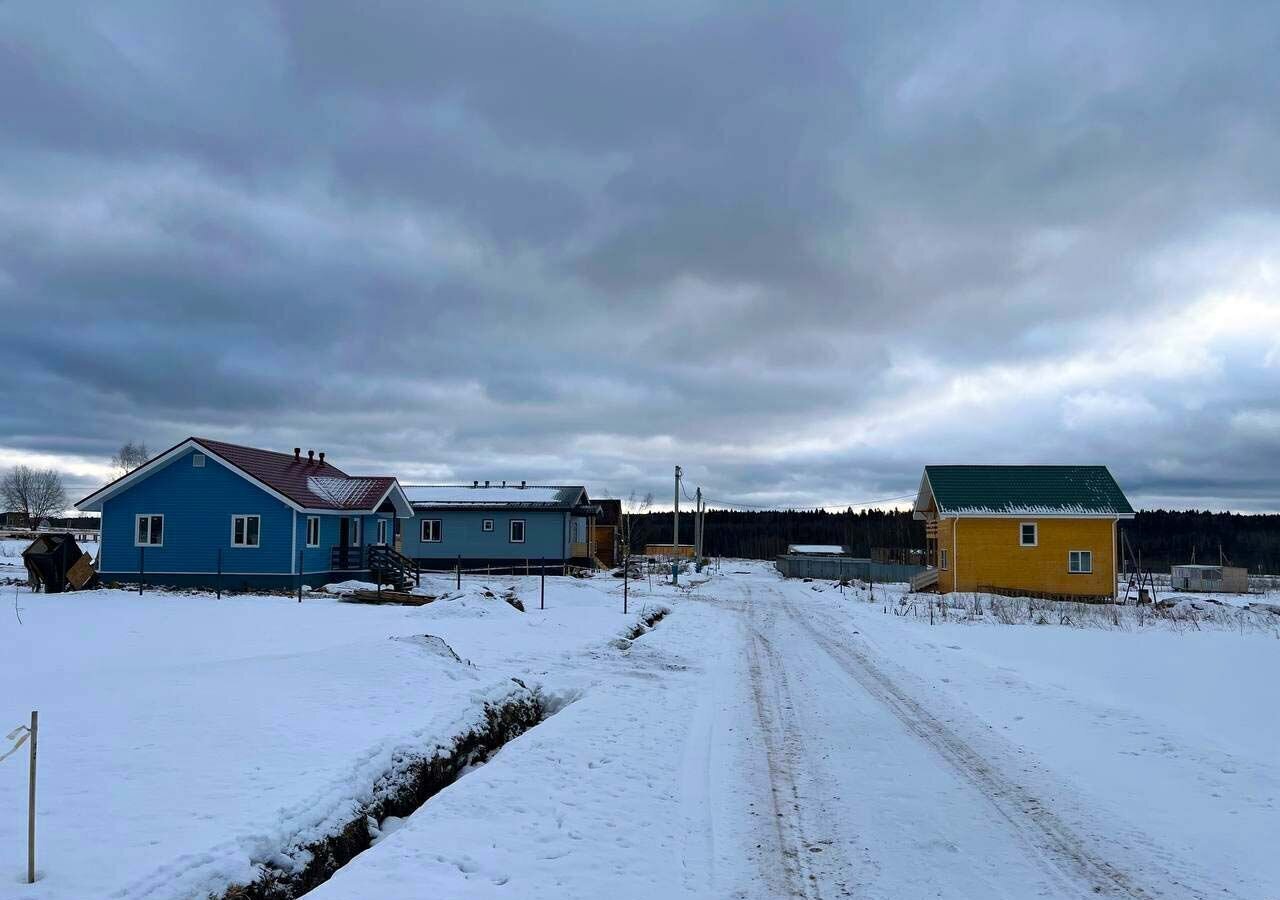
{"points": [[768, 738]]}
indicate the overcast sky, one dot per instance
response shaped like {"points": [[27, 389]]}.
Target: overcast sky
{"points": [[799, 252]]}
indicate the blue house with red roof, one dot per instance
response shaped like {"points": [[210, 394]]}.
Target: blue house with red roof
{"points": [[206, 513]]}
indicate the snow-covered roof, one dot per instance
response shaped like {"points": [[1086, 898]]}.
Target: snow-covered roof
{"points": [[551, 496], [1034, 491], [824, 549]]}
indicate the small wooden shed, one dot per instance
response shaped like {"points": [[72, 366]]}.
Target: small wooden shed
{"points": [[1210, 579]]}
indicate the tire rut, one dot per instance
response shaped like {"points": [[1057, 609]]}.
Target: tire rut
{"points": [[1059, 843]]}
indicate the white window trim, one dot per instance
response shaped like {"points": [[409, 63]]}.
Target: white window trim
{"points": [[246, 517], [197, 460], [310, 519], [439, 531], [354, 530], [511, 527], [1036, 527], [486, 524], [382, 531], [944, 559], [148, 517], [1088, 571]]}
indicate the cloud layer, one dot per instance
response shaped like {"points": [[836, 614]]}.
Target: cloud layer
{"points": [[801, 253]]}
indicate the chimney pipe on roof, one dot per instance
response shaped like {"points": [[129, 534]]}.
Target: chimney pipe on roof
{"points": [[475, 483], [311, 456], [486, 482], [297, 453], [322, 457], [522, 482], [504, 482]]}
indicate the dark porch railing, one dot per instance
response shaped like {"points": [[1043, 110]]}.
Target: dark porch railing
{"points": [[346, 558]]}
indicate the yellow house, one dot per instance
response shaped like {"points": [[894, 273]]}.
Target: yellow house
{"points": [[1046, 531]]}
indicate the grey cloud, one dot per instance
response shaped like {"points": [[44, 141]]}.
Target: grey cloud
{"points": [[578, 241]]}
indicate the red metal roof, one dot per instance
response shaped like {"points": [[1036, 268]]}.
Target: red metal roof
{"points": [[307, 482]]}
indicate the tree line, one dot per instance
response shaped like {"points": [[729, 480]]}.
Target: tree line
{"points": [[1162, 537]]}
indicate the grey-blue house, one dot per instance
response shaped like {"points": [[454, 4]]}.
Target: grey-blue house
{"points": [[502, 525], [207, 512]]}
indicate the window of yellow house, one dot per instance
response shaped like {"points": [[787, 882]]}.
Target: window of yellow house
{"points": [[1080, 562], [1028, 534], [943, 559]]}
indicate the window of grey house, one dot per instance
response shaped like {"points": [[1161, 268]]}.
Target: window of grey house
{"points": [[517, 531]]}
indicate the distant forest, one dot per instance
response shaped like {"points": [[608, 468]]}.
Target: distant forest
{"points": [[1163, 537]]}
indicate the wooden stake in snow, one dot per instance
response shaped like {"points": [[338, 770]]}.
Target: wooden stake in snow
{"points": [[20, 735], [31, 802]]}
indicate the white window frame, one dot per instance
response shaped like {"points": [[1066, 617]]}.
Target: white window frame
{"points": [[1035, 534], [313, 520], [944, 559], [1080, 555], [353, 532], [246, 517], [382, 531], [197, 460], [511, 531], [486, 524], [439, 531], [148, 516]]}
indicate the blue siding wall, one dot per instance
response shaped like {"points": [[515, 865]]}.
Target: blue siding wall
{"points": [[463, 535], [197, 505]]}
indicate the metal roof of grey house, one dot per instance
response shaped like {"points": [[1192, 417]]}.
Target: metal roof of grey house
{"points": [[509, 496], [1064, 491]]}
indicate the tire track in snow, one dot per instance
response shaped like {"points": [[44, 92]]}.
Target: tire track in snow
{"points": [[1028, 814], [786, 757]]}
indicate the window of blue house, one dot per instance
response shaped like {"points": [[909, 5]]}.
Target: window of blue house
{"points": [[245, 531], [431, 531], [149, 531], [313, 531], [355, 531], [486, 525], [517, 531], [382, 531]]}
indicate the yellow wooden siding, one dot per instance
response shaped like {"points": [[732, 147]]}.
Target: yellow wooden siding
{"points": [[988, 553]]}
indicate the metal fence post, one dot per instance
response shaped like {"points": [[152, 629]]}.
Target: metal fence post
{"points": [[300, 552], [142, 568], [219, 582], [542, 597], [31, 802], [459, 570]]}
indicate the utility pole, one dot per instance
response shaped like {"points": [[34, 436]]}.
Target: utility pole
{"points": [[697, 532], [675, 535]]}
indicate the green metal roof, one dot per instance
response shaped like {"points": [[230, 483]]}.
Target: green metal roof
{"points": [[1024, 491]]}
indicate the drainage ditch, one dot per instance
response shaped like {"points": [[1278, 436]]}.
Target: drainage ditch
{"points": [[417, 783], [414, 785]]}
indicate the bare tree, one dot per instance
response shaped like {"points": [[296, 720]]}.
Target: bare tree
{"points": [[36, 493], [631, 510], [129, 457]]}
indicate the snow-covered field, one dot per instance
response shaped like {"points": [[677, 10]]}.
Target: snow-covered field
{"points": [[767, 738]]}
